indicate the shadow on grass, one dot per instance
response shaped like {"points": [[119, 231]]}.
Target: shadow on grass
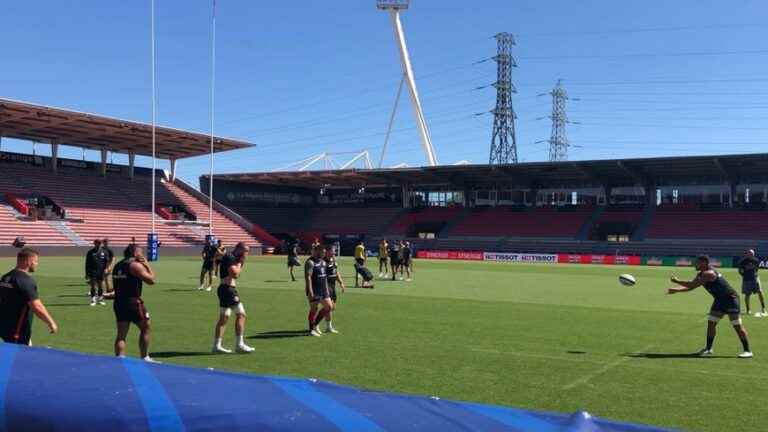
{"points": [[186, 290], [84, 303], [280, 334], [661, 356], [278, 281], [172, 354], [73, 295], [576, 352]]}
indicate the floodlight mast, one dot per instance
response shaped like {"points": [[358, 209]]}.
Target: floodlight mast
{"points": [[394, 7]]}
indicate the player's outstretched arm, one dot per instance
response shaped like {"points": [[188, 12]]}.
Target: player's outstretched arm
{"points": [[341, 281], [38, 308], [685, 285]]}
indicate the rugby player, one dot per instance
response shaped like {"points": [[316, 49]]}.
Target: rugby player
{"points": [[129, 277], [209, 257], [359, 258], [95, 266], [230, 269], [394, 258], [316, 289], [332, 276], [383, 258], [110, 265], [18, 296], [750, 282], [293, 258], [726, 302], [407, 262]]}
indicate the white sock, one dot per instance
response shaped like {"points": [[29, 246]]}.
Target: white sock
{"points": [[329, 324], [240, 340], [217, 342]]}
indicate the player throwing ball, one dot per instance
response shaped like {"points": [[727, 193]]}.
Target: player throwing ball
{"points": [[229, 271], [726, 302]]}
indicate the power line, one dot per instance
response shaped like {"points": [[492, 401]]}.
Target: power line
{"points": [[644, 30], [644, 55]]}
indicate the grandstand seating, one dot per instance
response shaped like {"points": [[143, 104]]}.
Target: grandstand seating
{"points": [[321, 220], [434, 215], [114, 207], [515, 222], [688, 222]]}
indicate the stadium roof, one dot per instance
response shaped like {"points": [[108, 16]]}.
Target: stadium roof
{"points": [[614, 172], [45, 124]]}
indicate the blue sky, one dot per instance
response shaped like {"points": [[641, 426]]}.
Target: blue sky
{"points": [[299, 78]]}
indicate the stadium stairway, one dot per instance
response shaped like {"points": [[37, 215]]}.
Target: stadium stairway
{"points": [[586, 228], [228, 225], [645, 222]]}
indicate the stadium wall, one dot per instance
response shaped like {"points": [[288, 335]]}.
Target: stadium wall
{"points": [[676, 261], [8, 251]]}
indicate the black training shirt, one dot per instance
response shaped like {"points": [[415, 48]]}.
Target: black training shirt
{"points": [[227, 261], [748, 267], [17, 289]]}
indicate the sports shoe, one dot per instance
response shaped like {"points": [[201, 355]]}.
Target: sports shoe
{"points": [[746, 354], [101, 301], [381, 274], [208, 289], [243, 348], [217, 349], [408, 280], [93, 301], [331, 330], [314, 332], [200, 288], [706, 352], [149, 359]]}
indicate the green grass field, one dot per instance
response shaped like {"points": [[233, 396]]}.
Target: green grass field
{"points": [[544, 337]]}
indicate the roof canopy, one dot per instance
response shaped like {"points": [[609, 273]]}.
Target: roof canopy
{"points": [[47, 124], [614, 172]]}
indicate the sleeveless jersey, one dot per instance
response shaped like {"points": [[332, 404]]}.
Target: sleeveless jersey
{"points": [[126, 285], [227, 261], [719, 288], [332, 270], [319, 274]]}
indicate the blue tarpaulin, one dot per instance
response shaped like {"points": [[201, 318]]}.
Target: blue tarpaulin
{"points": [[52, 390]]}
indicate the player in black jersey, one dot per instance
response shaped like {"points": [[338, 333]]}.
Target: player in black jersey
{"points": [[209, 258], [110, 265], [95, 266], [230, 269], [128, 277], [332, 277], [316, 289], [19, 297], [293, 258], [726, 302], [750, 281]]}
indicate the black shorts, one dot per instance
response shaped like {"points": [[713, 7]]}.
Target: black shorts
{"points": [[130, 310], [407, 262], [360, 261], [383, 259], [208, 265], [727, 306], [332, 290], [228, 296], [23, 337], [96, 275], [293, 261], [320, 294]]}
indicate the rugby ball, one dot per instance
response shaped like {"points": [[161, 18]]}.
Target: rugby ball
{"points": [[627, 280]]}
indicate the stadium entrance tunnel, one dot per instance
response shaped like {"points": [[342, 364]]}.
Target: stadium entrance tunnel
{"points": [[87, 392]]}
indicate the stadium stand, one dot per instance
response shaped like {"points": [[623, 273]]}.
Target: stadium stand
{"points": [[433, 218], [689, 222], [113, 207], [522, 222]]}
